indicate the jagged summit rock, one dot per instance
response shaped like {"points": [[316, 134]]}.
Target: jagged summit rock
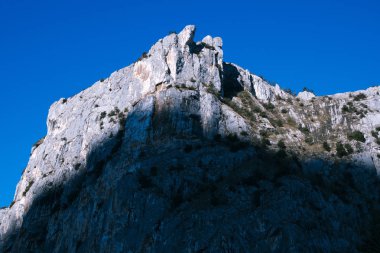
{"points": [[177, 58], [306, 95], [183, 152]]}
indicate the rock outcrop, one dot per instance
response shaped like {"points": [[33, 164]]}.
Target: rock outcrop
{"points": [[306, 95], [182, 152]]}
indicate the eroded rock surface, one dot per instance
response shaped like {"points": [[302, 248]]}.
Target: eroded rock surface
{"points": [[182, 152]]}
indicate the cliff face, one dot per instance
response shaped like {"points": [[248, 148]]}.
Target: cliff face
{"points": [[182, 152]]}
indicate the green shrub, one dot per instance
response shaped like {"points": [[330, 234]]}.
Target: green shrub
{"points": [[345, 109], [211, 89], [279, 97], [359, 97], [344, 150], [309, 140], [77, 166], [304, 130], [291, 122], [281, 144], [340, 150], [256, 109], [348, 148], [289, 91], [39, 142], [122, 121], [279, 123], [112, 113], [103, 115], [356, 135], [269, 106], [27, 188], [143, 56], [307, 89], [283, 110], [244, 133], [265, 142], [326, 146]]}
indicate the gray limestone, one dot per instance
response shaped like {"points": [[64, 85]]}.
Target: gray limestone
{"points": [[155, 158]]}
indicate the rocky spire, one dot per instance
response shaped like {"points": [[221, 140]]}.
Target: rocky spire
{"points": [[178, 59]]}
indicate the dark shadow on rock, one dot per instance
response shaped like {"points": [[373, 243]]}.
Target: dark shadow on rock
{"points": [[231, 84], [196, 48], [178, 189]]}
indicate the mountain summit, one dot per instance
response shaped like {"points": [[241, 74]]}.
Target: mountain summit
{"points": [[183, 152]]}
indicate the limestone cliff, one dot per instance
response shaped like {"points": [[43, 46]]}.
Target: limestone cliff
{"points": [[182, 152]]}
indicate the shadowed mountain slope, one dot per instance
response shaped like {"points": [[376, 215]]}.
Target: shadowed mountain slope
{"points": [[182, 152]]}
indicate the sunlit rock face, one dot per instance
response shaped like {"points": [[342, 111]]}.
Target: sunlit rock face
{"points": [[182, 152], [306, 95]]}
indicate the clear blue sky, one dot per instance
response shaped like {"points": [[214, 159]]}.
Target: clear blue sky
{"points": [[54, 49]]}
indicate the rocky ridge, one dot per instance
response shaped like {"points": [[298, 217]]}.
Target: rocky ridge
{"points": [[182, 152]]}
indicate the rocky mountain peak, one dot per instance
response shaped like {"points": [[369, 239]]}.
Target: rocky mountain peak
{"points": [[177, 58], [182, 152]]}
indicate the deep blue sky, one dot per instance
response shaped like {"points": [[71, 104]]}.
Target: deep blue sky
{"points": [[54, 49]]}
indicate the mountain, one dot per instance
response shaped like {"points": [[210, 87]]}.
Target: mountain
{"points": [[183, 152]]}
